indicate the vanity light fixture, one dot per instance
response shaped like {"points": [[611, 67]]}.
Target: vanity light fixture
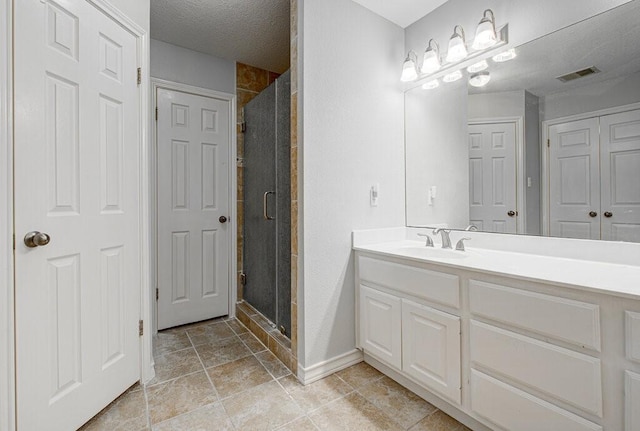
{"points": [[452, 77], [478, 67], [480, 79], [486, 32], [431, 62], [409, 68], [507, 55], [431, 85], [457, 47]]}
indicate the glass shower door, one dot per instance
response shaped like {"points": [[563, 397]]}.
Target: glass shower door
{"points": [[267, 204]]}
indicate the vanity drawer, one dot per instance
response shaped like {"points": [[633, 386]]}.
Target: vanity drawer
{"points": [[513, 409], [571, 321], [433, 286], [568, 376], [633, 335]]}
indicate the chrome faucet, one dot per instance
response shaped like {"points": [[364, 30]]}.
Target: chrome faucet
{"points": [[472, 228], [429, 242], [460, 244], [446, 240]]}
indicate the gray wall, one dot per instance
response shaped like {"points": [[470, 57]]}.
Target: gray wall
{"points": [[185, 66]]}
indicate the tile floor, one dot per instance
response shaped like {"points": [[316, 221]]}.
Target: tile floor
{"points": [[215, 375]]}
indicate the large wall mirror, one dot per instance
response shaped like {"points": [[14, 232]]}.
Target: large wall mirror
{"points": [[550, 146]]}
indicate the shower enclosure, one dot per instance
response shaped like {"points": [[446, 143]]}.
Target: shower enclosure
{"points": [[267, 203]]}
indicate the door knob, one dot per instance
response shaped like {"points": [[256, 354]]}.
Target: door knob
{"points": [[594, 214], [608, 214], [222, 219], [511, 213], [35, 239]]}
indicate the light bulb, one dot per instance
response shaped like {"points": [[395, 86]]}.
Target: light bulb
{"points": [[452, 77], [480, 79], [409, 72], [457, 48], [431, 60], [486, 32], [477, 67], [507, 55], [431, 85]]}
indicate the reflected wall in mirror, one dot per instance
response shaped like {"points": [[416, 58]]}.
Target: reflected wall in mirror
{"points": [[551, 145]]}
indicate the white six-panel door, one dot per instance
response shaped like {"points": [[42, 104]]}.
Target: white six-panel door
{"points": [[574, 184], [492, 177], [193, 194], [77, 155], [620, 173]]}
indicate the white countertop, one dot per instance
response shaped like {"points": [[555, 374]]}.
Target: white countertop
{"points": [[606, 277]]}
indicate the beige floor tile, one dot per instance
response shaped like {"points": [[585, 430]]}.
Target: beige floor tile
{"points": [[352, 413], [179, 396], [264, 407], [316, 394], [207, 418], [170, 341], [127, 413], [359, 375], [176, 364], [402, 405], [252, 342], [237, 326], [439, 421], [222, 352], [237, 376], [273, 364], [302, 424], [210, 333]]}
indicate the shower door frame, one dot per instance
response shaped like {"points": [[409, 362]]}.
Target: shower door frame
{"points": [[156, 84]]}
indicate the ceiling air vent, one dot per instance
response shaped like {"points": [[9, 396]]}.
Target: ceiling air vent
{"points": [[579, 74]]}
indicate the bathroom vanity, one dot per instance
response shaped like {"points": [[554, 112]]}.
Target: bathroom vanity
{"points": [[505, 335]]}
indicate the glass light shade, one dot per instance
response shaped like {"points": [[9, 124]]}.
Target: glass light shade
{"points": [[431, 60], [486, 32], [457, 49], [431, 85], [452, 77], [478, 67], [507, 55], [480, 79], [409, 72]]}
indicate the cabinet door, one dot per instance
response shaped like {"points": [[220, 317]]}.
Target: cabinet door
{"points": [[431, 348], [380, 325]]}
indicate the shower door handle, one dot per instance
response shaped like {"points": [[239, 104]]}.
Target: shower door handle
{"points": [[265, 212]]}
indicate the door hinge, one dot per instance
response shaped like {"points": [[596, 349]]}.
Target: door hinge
{"points": [[141, 328], [156, 113], [243, 127], [14, 241], [139, 75], [157, 293], [548, 143], [243, 279]]}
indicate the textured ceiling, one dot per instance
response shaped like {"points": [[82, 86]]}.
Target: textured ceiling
{"points": [[254, 32], [401, 12], [608, 41]]}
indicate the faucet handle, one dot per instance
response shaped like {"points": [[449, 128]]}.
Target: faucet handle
{"points": [[460, 243], [429, 242]]}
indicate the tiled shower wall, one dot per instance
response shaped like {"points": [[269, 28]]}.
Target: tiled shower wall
{"points": [[295, 143]]}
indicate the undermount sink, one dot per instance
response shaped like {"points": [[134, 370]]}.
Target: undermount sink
{"points": [[433, 252]]}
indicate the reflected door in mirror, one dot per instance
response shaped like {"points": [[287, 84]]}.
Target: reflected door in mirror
{"points": [[594, 178], [492, 177]]}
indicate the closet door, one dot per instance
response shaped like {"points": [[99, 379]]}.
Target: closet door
{"points": [[620, 176], [574, 180]]}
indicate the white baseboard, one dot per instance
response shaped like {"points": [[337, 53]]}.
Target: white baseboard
{"points": [[323, 369]]}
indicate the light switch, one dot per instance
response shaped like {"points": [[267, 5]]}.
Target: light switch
{"points": [[373, 195]]}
